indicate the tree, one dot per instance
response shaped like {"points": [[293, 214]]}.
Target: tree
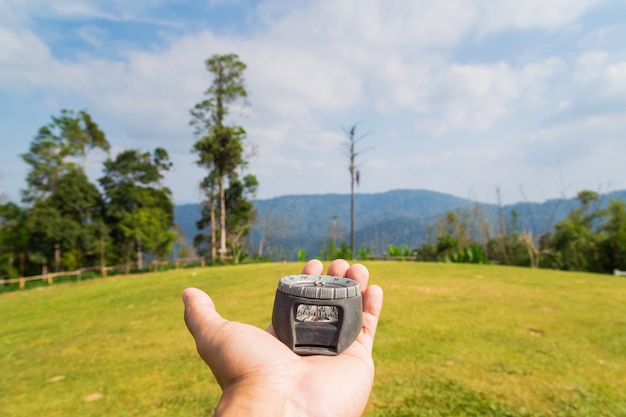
{"points": [[66, 207], [64, 228], [14, 240], [575, 241], [271, 228], [81, 133], [613, 244], [79, 202], [224, 148], [330, 250], [139, 212], [52, 235], [220, 147], [352, 153], [55, 146], [241, 213], [207, 217]]}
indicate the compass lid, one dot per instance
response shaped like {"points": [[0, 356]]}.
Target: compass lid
{"points": [[319, 287]]}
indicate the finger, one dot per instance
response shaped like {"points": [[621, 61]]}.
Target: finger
{"points": [[232, 350], [200, 313], [338, 268], [204, 323], [373, 300], [360, 274], [313, 267], [213, 334], [372, 306]]}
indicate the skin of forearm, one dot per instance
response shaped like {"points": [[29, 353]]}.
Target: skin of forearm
{"points": [[258, 402]]}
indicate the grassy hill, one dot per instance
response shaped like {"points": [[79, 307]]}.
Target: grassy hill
{"points": [[453, 340]]}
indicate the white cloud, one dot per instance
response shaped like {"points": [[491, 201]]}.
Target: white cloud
{"points": [[589, 64], [601, 70], [23, 57], [530, 14], [316, 66], [475, 96]]}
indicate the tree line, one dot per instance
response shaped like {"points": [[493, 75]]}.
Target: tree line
{"points": [[65, 221], [590, 238]]}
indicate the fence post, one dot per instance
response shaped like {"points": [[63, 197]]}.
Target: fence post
{"points": [[22, 283]]}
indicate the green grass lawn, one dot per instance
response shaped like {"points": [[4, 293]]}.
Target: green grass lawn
{"points": [[453, 340]]}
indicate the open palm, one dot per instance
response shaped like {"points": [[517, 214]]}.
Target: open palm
{"points": [[260, 376]]}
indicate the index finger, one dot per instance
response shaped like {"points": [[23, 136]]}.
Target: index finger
{"points": [[313, 267], [339, 268]]}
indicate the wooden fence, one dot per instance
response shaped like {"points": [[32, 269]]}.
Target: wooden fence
{"points": [[125, 268]]}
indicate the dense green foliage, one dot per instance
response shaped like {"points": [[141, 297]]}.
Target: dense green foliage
{"points": [[67, 223], [139, 212], [14, 239], [54, 149], [453, 340], [590, 238]]}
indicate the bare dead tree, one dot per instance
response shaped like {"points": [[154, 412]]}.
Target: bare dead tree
{"points": [[272, 227], [355, 176]]}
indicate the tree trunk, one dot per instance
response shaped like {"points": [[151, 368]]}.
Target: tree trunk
{"points": [[139, 257], [352, 241], [57, 257], [222, 250], [213, 225], [22, 263], [103, 269]]}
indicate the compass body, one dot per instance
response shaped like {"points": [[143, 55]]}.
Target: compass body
{"points": [[317, 314]]}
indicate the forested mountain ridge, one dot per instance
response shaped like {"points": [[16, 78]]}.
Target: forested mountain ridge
{"points": [[288, 223]]}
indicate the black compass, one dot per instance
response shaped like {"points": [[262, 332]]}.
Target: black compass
{"points": [[317, 314]]}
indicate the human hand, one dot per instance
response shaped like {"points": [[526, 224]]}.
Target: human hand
{"points": [[261, 376]]}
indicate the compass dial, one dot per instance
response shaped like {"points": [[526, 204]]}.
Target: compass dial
{"points": [[310, 313]]}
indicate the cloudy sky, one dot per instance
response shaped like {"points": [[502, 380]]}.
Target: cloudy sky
{"points": [[457, 96]]}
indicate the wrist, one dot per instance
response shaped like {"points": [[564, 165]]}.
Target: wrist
{"points": [[259, 401]]}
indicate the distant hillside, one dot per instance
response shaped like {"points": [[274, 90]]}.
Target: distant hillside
{"points": [[289, 223]]}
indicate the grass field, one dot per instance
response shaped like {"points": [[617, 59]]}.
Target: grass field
{"points": [[453, 340]]}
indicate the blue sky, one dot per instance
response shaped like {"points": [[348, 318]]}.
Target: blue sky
{"points": [[457, 96]]}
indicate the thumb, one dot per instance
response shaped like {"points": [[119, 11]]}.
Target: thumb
{"points": [[204, 324], [200, 313], [215, 336]]}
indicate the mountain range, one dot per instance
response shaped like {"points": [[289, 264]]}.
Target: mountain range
{"points": [[287, 224]]}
